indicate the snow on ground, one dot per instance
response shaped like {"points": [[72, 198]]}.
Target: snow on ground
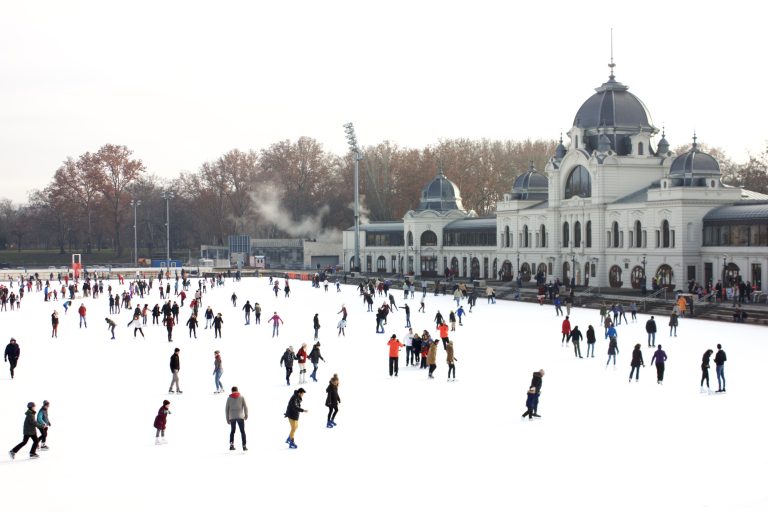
{"points": [[407, 443]]}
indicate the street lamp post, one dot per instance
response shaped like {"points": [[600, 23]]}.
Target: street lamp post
{"points": [[725, 257], [352, 141], [643, 280], [573, 269], [135, 203], [167, 195]]}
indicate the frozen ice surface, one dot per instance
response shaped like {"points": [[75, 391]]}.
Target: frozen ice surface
{"points": [[406, 443]]}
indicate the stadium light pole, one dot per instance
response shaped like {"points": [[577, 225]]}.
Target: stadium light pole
{"points": [[352, 141], [167, 195], [135, 203]]}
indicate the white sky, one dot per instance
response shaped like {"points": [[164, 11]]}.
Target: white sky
{"points": [[181, 83]]}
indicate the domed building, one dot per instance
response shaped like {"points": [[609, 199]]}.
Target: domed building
{"points": [[610, 209]]}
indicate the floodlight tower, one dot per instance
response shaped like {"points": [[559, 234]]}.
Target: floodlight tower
{"points": [[167, 195], [352, 141]]}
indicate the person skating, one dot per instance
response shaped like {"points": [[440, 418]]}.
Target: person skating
{"points": [[111, 326], [673, 324], [613, 351], [705, 370], [566, 331], [287, 360], [175, 368], [257, 313], [55, 324], [208, 317], [576, 337], [591, 341], [394, 355], [234, 299], [168, 322], [342, 325], [460, 313], [432, 358], [659, 358], [720, 360], [451, 360], [236, 411], [536, 382], [218, 371], [438, 319], [443, 329], [136, 321], [292, 413], [314, 357], [301, 358], [12, 354], [650, 328], [531, 403], [407, 315], [316, 325], [247, 308], [81, 312], [43, 422], [218, 321], [30, 432], [160, 421], [637, 361], [332, 400], [192, 324], [276, 321], [415, 342]]}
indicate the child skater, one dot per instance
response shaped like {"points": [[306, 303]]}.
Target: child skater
{"points": [[162, 414]]}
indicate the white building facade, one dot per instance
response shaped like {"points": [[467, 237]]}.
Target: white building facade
{"points": [[612, 209]]}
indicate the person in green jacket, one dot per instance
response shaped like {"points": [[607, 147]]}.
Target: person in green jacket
{"points": [[30, 432]]}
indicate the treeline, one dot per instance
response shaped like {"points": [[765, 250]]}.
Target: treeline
{"points": [[290, 189]]}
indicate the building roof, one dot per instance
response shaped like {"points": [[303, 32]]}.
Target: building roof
{"points": [[530, 186], [474, 224], [694, 167], [381, 226], [750, 212], [613, 106]]}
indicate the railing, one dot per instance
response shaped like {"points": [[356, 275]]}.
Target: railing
{"points": [[654, 297]]}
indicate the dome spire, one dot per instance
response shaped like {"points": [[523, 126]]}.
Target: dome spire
{"points": [[611, 77], [695, 145], [560, 149]]}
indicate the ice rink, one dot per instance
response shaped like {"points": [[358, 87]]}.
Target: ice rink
{"points": [[408, 443]]}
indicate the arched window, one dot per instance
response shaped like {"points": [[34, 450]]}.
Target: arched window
{"points": [[640, 148], [410, 238], [506, 270], [381, 264], [588, 234], [428, 239], [507, 238], [496, 268], [525, 236], [455, 266], [543, 235], [664, 275], [638, 234], [665, 233], [578, 183], [525, 272], [474, 268], [577, 234], [614, 277], [615, 231], [637, 277], [566, 235]]}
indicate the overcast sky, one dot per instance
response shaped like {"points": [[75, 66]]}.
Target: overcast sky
{"points": [[182, 82]]}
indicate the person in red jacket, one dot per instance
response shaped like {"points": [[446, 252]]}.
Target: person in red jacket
{"points": [[301, 357], [566, 330], [394, 354], [81, 312], [443, 328], [168, 321], [160, 419]]}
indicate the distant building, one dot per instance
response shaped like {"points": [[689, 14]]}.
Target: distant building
{"points": [[612, 209], [279, 253]]}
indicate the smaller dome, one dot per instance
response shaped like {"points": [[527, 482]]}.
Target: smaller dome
{"points": [[663, 146], [692, 168], [530, 186], [560, 150], [440, 194]]}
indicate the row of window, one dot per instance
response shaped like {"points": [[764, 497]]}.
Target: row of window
{"points": [[753, 235]]}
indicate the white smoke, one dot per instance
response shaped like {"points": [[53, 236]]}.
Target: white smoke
{"points": [[267, 202]]}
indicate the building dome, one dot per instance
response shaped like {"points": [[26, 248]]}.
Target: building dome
{"points": [[613, 106], [440, 194], [694, 167], [530, 186]]}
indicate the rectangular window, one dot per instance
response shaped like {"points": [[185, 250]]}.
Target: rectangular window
{"points": [[394, 263], [645, 239], [740, 235], [594, 269], [609, 239], [658, 238], [631, 239], [708, 272], [757, 276], [621, 239], [672, 238], [691, 272]]}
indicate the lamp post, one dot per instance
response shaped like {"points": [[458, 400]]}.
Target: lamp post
{"points": [[135, 204], [167, 195], [573, 269], [725, 257], [352, 141]]}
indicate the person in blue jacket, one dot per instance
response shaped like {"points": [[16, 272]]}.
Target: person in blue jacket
{"points": [[43, 423], [460, 313], [558, 309]]}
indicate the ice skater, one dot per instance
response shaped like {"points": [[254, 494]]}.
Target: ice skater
{"points": [[659, 358], [720, 360], [276, 321], [314, 357], [30, 432], [451, 360], [111, 326], [637, 361], [175, 368], [591, 341], [332, 400], [287, 360], [236, 412], [613, 351], [536, 383], [218, 371], [160, 422], [531, 403], [292, 413], [394, 355], [12, 354], [705, 370], [43, 422]]}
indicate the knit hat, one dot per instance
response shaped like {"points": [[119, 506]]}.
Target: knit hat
{"points": [[166, 402], [46, 402], [300, 390], [30, 405]]}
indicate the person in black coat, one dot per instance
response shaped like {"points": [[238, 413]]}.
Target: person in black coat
{"points": [[292, 413], [315, 356], [316, 325], [332, 401], [591, 340], [637, 361], [576, 337], [30, 432], [536, 382], [287, 361], [218, 321], [650, 328], [705, 370], [175, 367], [720, 368], [12, 353], [659, 357]]}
